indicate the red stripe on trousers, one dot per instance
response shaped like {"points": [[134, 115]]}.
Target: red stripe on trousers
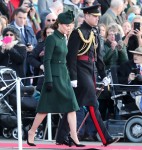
{"points": [[95, 121]]}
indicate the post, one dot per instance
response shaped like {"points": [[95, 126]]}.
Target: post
{"points": [[19, 120], [49, 127]]}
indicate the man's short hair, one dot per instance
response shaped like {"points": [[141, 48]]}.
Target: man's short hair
{"points": [[19, 10]]}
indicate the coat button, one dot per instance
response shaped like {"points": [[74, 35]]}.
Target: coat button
{"points": [[59, 61]]}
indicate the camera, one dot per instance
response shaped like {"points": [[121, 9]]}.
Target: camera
{"points": [[136, 25], [137, 72], [139, 77], [31, 5]]}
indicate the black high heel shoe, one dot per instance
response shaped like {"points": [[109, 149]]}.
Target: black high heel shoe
{"points": [[72, 141], [30, 144], [26, 137]]}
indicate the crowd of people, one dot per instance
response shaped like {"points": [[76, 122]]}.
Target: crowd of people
{"points": [[74, 43]]}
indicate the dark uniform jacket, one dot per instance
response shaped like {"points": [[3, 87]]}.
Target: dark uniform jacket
{"points": [[83, 70]]}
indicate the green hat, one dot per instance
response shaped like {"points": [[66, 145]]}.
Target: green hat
{"points": [[66, 17], [94, 10]]}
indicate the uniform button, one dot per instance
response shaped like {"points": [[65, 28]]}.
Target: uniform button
{"points": [[59, 61]]}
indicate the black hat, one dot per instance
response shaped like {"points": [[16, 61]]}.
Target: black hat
{"points": [[66, 17], [94, 10], [12, 29]]}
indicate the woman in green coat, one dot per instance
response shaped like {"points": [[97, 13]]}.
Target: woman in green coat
{"points": [[57, 95]]}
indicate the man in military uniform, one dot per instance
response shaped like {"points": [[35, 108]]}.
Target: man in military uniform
{"points": [[83, 54]]}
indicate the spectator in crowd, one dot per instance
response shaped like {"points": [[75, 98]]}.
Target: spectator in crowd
{"points": [[121, 18], [131, 17], [73, 5], [114, 53], [27, 34], [82, 54], [50, 19], [79, 20], [126, 27], [33, 19], [134, 38], [117, 29], [42, 6], [57, 95], [89, 3], [110, 16], [102, 29], [130, 4], [133, 9], [1, 29], [7, 8], [56, 8], [27, 37], [36, 57], [130, 73], [4, 20], [12, 51], [104, 5], [129, 70]]}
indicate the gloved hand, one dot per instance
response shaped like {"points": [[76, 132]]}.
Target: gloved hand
{"points": [[139, 77], [106, 81], [49, 86], [74, 83]]}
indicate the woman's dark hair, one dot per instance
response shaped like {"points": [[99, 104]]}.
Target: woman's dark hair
{"points": [[21, 2], [43, 33], [55, 25]]}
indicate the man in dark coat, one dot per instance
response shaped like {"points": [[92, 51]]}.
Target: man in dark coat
{"points": [[131, 73], [84, 52]]}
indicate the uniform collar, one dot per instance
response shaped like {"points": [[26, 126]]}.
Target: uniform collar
{"points": [[86, 25], [59, 34]]}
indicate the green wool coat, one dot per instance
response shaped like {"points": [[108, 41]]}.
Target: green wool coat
{"points": [[61, 98]]}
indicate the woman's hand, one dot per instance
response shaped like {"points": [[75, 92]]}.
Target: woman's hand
{"points": [[32, 12], [41, 53], [8, 46], [125, 41], [29, 48], [138, 33], [113, 44]]}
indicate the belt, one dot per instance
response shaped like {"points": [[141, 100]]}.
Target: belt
{"points": [[85, 57], [58, 62]]}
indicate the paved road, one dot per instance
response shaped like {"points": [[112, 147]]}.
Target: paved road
{"points": [[121, 145]]}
